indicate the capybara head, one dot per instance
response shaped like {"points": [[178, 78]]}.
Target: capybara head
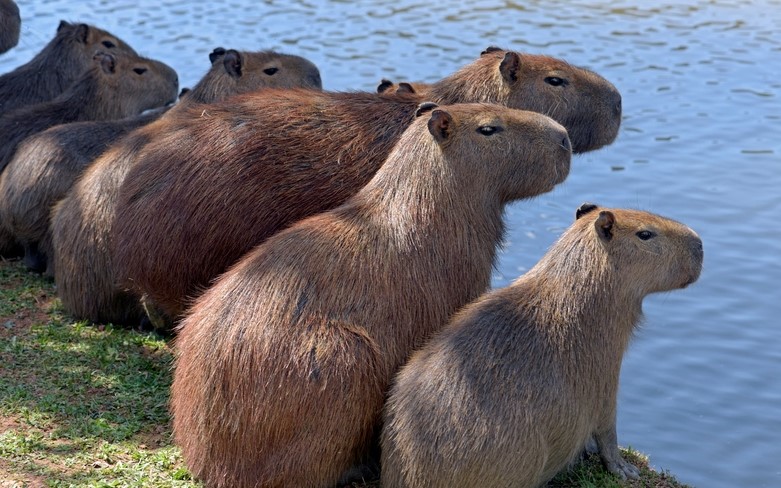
{"points": [[10, 25], [235, 72], [388, 87], [649, 252], [490, 133], [586, 104], [88, 39], [128, 85]]}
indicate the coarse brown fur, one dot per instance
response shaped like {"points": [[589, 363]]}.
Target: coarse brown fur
{"points": [[509, 393], [47, 165], [113, 87], [61, 62], [224, 178], [10, 25], [283, 364], [81, 224]]}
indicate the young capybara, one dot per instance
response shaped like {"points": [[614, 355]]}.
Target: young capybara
{"points": [[10, 25], [61, 62], [282, 365], [224, 179], [512, 389], [81, 223], [112, 88], [47, 165]]}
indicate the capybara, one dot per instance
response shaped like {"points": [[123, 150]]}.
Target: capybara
{"points": [[512, 389], [112, 88], [282, 365], [224, 179], [61, 62], [46, 165], [81, 223], [10, 25]]}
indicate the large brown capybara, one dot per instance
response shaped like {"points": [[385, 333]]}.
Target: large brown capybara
{"points": [[222, 180], [10, 25], [283, 364], [512, 389], [47, 165], [81, 223], [61, 62], [113, 87]]}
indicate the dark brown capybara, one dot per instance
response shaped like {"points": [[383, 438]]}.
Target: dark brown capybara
{"points": [[47, 165], [223, 180], [61, 62], [113, 87], [282, 365], [10, 25], [512, 389], [81, 223]]}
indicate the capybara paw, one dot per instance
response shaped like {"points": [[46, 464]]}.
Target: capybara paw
{"points": [[623, 469]]}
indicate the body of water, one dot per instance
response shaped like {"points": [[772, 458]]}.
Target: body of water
{"points": [[700, 142]]}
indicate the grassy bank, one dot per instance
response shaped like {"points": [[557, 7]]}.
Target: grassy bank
{"points": [[86, 404]]}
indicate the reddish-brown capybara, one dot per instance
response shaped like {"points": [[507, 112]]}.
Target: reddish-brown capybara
{"points": [[61, 62], [224, 179], [47, 165], [282, 365], [81, 223], [511, 390], [113, 87], [10, 25]]}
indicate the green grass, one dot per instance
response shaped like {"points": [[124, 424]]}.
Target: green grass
{"points": [[86, 404]]}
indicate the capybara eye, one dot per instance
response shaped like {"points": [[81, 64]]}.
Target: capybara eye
{"points": [[139, 71], [555, 81], [645, 235], [108, 44], [488, 130], [270, 71]]}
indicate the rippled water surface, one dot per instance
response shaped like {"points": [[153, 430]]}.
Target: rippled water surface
{"points": [[700, 142]]}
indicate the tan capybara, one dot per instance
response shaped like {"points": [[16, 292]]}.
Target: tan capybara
{"points": [[10, 25], [60, 63], [512, 389], [282, 365], [81, 223], [112, 88], [226, 178], [47, 165]]}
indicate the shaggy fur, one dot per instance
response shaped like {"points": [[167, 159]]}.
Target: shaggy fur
{"points": [[81, 223], [509, 393], [283, 364], [222, 179]]}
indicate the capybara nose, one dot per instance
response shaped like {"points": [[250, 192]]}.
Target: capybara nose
{"points": [[696, 247], [617, 103], [565, 143]]}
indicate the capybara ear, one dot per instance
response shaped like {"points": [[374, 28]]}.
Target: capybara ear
{"points": [[232, 63], [510, 66], [107, 62], [425, 107], [440, 125], [584, 209], [82, 32], [490, 49], [63, 25], [604, 224], [184, 92], [384, 85], [215, 55], [405, 87]]}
